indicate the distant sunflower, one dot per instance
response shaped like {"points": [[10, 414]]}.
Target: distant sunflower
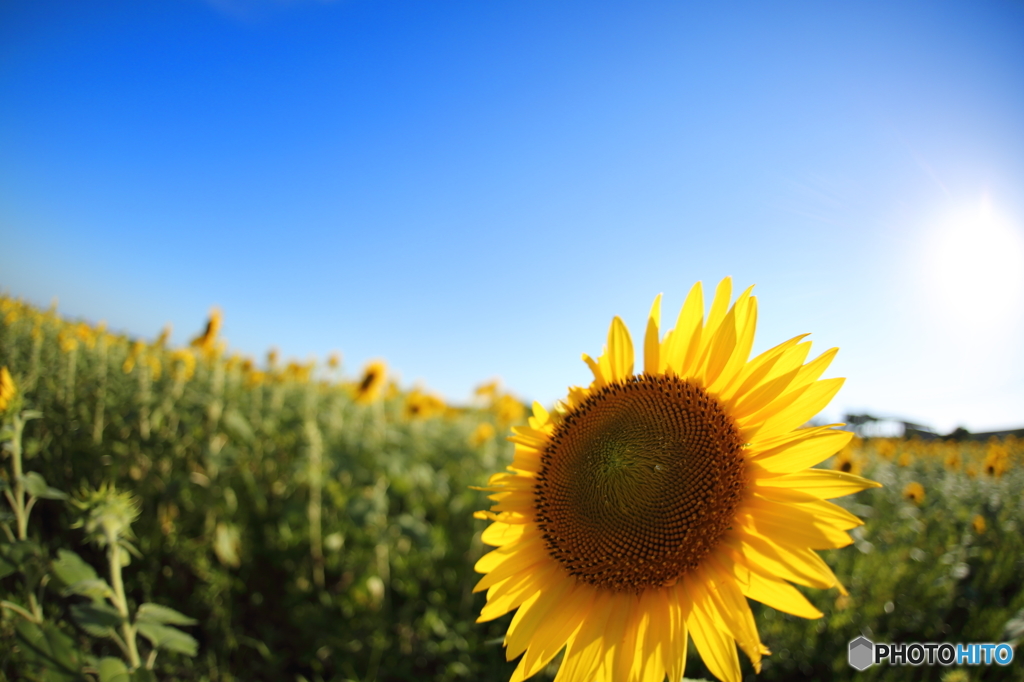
{"points": [[375, 374], [914, 492], [7, 389], [847, 462], [648, 507]]}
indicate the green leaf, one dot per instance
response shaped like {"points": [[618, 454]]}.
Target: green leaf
{"points": [[97, 589], [71, 568], [79, 577], [36, 486], [99, 619], [171, 639], [143, 675], [237, 426], [49, 650], [7, 567], [113, 670], [162, 615], [17, 555]]}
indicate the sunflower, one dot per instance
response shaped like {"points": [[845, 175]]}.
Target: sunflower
{"points": [[370, 384], [914, 492], [647, 508], [7, 389]]}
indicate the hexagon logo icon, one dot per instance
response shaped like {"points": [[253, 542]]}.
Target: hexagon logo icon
{"points": [[862, 653]]}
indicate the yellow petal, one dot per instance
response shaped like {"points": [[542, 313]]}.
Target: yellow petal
{"points": [[719, 306], [779, 595], [620, 350], [521, 561], [746, 324], [652, 343], [811, 401], [617, 648], [499, 534], [719, 349], [796, 564], [553, 632], [585, 649], [600, 381], [821, 483], [800, 454], [534, 612], [791, 523], [754, 373], [680, 346], [716, 647], [512, 592], [490, 561]]}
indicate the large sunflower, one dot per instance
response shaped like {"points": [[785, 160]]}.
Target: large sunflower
{"points": [[649, 507]]}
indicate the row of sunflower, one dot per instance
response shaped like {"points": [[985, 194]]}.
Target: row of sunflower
{"points": [[292, 522]]}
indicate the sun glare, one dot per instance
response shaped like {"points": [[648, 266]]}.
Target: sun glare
{"points": [[974, 266]]}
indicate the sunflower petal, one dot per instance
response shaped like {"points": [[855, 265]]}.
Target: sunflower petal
{"points": [[532, 613], [821, 483], [584, 651], [680, 346], [620, 351], [652, 344], [798, 455], [715, 646], [811, 401], [553, 632]]}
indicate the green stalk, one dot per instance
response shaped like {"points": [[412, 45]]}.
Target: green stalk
{"points": [[101, 398], [18, 501], [120, 601]]}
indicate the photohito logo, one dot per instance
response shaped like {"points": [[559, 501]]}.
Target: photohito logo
{"points": [[864, 653]]}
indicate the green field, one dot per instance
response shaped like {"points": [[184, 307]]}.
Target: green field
{"points": [[190, 514]]}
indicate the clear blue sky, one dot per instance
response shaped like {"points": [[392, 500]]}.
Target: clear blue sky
{"points": [[474, 189]]}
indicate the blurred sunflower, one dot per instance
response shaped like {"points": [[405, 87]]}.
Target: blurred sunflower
{"points": [[370, 384], [649, 507], [7, 389], [914, 492], [978, 522], [847, 462]]}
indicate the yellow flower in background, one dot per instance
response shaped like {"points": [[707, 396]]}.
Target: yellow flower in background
{"points": [[886, 447], [183, 364], [978, 522], [7, 389], [420, 405], [133, 356], [334, 360], [847, 462], [207, 341], [375, 375], [914, 492], [997, 459], [649, 507], [165, 334], [66, 341], [509, 411], [483, 433], [953, 460], [487, 390], [905, 458]]}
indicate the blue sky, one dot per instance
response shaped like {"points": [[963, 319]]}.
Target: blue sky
{"points": [[474, 189]]}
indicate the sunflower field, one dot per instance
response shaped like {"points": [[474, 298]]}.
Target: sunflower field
{"points": [[184, 513]]}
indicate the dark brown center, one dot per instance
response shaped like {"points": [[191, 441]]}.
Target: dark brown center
{"points": [[639, 483]]}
